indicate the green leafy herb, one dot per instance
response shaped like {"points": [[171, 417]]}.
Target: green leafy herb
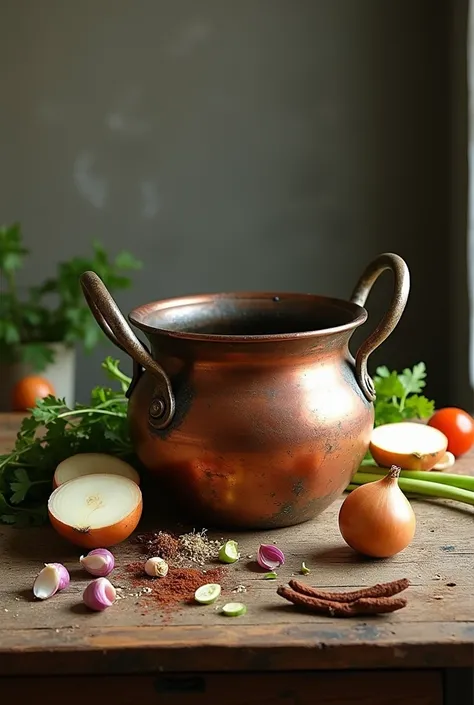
{"points": [[54, 432], [56, 310], [398, 395]]}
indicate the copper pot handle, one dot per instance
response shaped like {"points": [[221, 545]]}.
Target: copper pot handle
{"points": [[400, 296], [113, 323]]}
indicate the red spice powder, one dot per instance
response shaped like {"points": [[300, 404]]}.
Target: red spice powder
{"points": [[177, 587]]}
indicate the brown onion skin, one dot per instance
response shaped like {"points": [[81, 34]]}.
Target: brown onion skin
{"points": [[377, 520]]}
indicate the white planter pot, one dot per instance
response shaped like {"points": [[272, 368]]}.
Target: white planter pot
{"points": [[61, 373]]}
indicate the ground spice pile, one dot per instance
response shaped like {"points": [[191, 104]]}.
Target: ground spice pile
{"points": [[160, 544], [193, 547], [178, 586]]}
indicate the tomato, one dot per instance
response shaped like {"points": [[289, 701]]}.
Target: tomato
{"points": [[457, 426], [28, 390]]}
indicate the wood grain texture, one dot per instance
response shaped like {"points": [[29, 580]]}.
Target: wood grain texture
{"points": [[435, 630]]}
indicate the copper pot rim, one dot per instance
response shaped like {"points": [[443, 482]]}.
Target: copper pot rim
{"points": [[140, 314]]}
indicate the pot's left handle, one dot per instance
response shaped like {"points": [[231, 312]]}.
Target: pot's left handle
{"points": [[359, 296], [110, 319]]}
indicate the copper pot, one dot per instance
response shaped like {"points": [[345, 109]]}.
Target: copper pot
{"points": [[250, 405]]}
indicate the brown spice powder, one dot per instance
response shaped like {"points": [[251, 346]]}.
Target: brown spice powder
{"points": [[177, 587], [160, 544], [193, 547]]}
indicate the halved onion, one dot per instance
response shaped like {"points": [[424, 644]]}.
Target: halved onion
{"points": [[90, 464], [409, 445], [96, 511]]}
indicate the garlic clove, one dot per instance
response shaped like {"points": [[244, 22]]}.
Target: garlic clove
{"points": [[270, 556], [99, 594], [98, 562], [447, 461], [156, 567], [52, 578]]}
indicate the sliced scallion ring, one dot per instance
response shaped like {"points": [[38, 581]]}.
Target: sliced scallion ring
{"points": [[207, 593], [229, 552], [234, 609]]}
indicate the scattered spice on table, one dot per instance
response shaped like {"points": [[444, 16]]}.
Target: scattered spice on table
{"points": [[198, 548], [192, 547], [177, 587], [161, 544]]}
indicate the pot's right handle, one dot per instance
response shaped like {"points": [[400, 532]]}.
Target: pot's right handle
{"points": [[400, 296], [110, 319]]}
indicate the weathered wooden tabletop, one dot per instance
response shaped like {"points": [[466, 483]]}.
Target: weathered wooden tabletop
{"points": [[436, 629]]}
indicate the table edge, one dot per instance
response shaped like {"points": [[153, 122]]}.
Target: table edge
{"points": [[134, 650]]}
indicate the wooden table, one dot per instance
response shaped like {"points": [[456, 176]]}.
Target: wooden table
{"points": [[56, 651]]}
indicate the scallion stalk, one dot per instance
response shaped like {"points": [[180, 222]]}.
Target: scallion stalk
{"points": [[465, 482], [419, 487]]}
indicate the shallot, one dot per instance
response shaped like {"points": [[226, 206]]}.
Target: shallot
{"points": [[52, 578], [377, 519], [270, 556], [99, 594], [98, 562]]}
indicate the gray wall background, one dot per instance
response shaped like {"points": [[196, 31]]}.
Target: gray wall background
{"points": [[259, 144]]}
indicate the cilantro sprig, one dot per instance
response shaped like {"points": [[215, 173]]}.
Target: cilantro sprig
{"points": [[53, 432], [399, 396]]}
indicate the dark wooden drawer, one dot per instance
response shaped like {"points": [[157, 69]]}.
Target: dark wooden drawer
{"points": [[292, 688]]}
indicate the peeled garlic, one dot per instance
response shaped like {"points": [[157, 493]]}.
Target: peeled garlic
{"points": [[447, 461], [156, 567]]}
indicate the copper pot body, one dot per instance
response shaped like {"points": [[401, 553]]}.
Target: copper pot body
{"points": [[250, 406]]}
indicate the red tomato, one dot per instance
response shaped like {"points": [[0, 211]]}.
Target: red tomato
{"points": [[457, 426], [28, 390]]}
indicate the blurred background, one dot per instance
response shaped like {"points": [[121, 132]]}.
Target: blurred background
{"points": [[259, 144]]}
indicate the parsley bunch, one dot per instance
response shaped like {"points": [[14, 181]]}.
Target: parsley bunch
{"points": [[52, 433], [399, 396], [55, 311]]}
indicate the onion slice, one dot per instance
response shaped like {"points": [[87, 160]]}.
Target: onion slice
{"points": [[92, 464], [409, 445], [96, 511]]}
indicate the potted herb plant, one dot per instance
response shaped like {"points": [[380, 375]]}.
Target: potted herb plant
{"points": [[39, 329]]}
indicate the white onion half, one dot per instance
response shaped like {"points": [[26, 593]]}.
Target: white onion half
{"points": [[92, 464]]}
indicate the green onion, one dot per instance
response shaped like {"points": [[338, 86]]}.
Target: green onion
{"points": [[234, 609], [229, 552], [420, 487], [465, 482], [207, 593], [270, 576]]}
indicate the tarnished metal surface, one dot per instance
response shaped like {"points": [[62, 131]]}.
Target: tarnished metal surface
{"points": [[270, 421]]}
